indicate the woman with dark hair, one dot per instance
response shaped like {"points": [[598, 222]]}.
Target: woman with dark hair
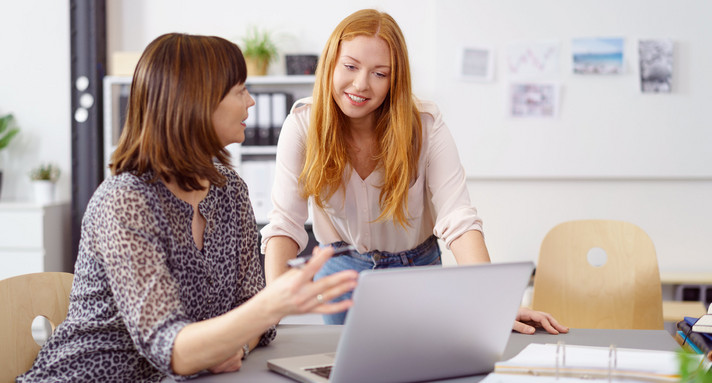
{"points": [[379, 166], [168, 277]]}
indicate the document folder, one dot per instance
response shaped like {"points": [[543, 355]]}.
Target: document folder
{"points": [[588, 362]]}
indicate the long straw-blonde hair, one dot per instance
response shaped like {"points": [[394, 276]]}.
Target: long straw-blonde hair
{"points": [[398, 126]]}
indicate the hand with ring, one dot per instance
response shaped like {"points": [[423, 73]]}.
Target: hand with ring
{"points": [[295, 292]]}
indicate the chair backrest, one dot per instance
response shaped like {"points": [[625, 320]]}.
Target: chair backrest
{"points": [[622, 293], [22, 299]]}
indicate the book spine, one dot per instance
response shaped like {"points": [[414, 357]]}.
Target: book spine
{"points": [[686, 343]]}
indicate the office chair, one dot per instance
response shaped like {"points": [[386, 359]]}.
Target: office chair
{"points": [[599, 274], [22, 299]]}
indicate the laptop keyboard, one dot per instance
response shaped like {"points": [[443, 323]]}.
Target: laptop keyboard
{"points": [[324, 371]]}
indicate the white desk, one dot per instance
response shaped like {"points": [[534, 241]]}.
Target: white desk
{"points": [[311, 339]]}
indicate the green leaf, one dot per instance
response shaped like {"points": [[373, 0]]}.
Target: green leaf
{"points": [[5, 122], [691, 370], [6, 132]]}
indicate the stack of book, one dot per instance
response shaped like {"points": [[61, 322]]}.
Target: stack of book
{"points": [[694, 337]]}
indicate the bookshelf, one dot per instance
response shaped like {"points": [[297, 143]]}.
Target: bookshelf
{"points": [[255, 163]]}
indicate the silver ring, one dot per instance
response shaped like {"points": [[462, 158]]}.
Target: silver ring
{"points": [[320, 298]]}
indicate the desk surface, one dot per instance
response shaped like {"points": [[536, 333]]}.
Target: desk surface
{"points": [[675, 311], [312, 339]]}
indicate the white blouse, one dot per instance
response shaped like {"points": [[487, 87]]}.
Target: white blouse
{"points": [[438, 201]]}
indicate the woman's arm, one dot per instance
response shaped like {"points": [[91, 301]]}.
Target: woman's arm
{"points": [[285, 233], [211, 342], [279, 250], [470, 248]]}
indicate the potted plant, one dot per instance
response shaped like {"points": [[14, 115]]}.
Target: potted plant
{"points": [[7, 133], [43, 178], [259, 49]]}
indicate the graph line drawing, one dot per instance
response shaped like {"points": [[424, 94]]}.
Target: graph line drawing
{"points": [[536, 59]]}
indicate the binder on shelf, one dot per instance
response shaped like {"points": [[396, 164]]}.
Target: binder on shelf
{"points": [[280, 109], [251, 127], [589, 362], [264, 118]]}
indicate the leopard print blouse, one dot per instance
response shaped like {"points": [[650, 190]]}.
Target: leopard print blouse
{"points": [[139, 279]]}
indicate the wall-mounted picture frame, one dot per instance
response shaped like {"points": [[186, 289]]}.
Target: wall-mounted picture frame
{"points": [[476, 63], [533, 59], [597, 55], [534, 99], [656, 65]]}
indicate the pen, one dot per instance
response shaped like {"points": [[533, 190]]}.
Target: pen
{"points": [[299, 262]]}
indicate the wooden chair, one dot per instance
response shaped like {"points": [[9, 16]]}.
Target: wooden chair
{"points": [[622, 293], [22, 299]]}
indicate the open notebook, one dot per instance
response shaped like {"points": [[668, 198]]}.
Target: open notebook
{"points": [[420, 323]]}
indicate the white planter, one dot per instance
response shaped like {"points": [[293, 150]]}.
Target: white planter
{"points": [[44, 192]]}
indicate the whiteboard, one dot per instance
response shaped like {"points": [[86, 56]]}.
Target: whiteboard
{"points": [[606, 127]]}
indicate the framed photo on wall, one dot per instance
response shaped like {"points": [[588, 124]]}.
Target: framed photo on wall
{"points": [[476, 63]]}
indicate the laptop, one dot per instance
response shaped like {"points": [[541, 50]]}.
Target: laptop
{"points": [[420, 323]]}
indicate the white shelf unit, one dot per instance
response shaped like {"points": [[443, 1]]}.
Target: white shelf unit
{"points": [[253, 163], [34, 238]]}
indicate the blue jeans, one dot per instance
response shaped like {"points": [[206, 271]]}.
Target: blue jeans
{"points": [[425, 254]]}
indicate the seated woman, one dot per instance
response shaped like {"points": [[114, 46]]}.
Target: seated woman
{"points": [[168, 277]]}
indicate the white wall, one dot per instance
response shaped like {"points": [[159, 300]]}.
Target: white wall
{"points": [[35, 87], [674, 213], [300, 26], [34, 84], [606, 127]]}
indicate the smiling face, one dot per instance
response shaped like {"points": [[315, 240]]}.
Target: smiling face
{"points": [[362, 77], [230, 115]]}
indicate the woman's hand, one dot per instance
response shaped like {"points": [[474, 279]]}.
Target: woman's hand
{"points": [[232, 364], [527, 320], [295, 292]]}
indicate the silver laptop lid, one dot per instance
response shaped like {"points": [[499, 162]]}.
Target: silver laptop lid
{"points": [[421, 323]]}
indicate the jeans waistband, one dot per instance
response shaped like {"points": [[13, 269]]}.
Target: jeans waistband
{"points": [[385, 258]]}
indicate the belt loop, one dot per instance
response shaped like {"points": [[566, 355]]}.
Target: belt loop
{"points": [[376, 258], [404, 259]]}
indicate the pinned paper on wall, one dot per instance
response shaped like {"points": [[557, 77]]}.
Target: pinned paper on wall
{"points": [[656, 65], [533, 59], [534, 100], [476, 64]]}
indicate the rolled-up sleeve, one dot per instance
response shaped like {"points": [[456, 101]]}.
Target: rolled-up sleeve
{"points": [[447, 181], [290, 210]]}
